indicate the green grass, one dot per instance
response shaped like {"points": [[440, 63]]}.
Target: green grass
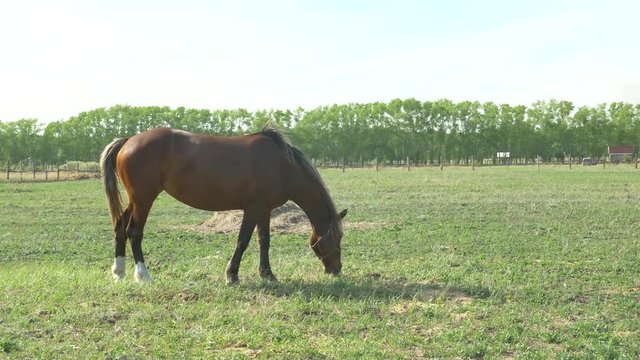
{"points": [[493, 263]]}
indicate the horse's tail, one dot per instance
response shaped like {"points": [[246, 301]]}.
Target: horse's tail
{"points": [[110, 178]]}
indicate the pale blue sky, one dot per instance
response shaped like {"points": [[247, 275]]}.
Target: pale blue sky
{"points": [[59, 58]]}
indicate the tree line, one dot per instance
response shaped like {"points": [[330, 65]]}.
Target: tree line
{"points": [[427, 132]]}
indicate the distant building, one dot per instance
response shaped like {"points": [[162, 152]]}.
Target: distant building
{"points": [[621, 153]]}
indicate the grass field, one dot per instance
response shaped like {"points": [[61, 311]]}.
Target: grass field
{"points": [[493, 263]]}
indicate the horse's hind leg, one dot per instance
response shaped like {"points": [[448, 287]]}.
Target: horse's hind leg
{"points": [[118, 268], [135, 232]]}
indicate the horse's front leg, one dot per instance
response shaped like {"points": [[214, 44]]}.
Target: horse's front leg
{"points": [[246, 230], [264, 239]]}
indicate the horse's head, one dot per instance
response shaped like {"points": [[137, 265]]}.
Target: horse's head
{"points": [[327, 246]]}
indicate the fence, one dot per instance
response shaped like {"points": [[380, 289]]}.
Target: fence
{"points": [[470, 163], [76, 170], [33, 171]]}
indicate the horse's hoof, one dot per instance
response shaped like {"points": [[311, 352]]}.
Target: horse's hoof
{"points": [[118, 269], [268, 277], [233, 280], [144, 279], [117, 274], [142, 275]]}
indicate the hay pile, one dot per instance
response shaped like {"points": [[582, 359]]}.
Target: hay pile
{"points": [[83, 176], [287, 219]]}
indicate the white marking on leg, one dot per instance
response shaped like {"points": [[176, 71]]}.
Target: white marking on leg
{"points": [[141, 274], [118, 269]]}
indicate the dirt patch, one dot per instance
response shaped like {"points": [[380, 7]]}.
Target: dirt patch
{"points": [[287, 219], [53, 175]]}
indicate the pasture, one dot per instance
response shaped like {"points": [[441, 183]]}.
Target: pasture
{"points": [[493, 263]]}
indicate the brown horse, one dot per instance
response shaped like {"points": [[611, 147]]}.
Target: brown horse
{"points": [[255, 173]]}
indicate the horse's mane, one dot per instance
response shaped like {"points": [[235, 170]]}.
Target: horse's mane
{"points": [[296, 157]]}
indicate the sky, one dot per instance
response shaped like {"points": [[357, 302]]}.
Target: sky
{"points": [[60, 58]]}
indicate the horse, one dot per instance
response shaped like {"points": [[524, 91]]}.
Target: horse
{"points": [[255, 173]]}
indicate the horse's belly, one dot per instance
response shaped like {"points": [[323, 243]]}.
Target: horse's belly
{"points": [[209, 198]]}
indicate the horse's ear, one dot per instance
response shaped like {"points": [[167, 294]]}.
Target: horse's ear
{"points": [[343, 213]]}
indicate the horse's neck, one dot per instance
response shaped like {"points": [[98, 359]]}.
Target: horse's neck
{"points": [[315, 206]]}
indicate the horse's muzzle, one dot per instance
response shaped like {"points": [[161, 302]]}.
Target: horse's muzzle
{"points": [[335, 271]]}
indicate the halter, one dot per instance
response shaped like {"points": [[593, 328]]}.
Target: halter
{"points": [[335, 249]]}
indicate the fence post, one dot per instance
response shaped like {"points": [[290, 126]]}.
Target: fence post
{"points": [[33, 169], [473, 164], [58, 173], [604, 163], [377, 164], [408, 164], [569, 161], [441, 164], [9, 167], [343, 164]]}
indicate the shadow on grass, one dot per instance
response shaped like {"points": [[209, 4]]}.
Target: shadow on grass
{"points": [[350, 287]]}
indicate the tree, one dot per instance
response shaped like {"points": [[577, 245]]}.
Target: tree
{"points": [[425, 131], [21, 140]]}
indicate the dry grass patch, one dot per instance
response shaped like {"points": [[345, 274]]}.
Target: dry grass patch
{"points": [[286, 219]]}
